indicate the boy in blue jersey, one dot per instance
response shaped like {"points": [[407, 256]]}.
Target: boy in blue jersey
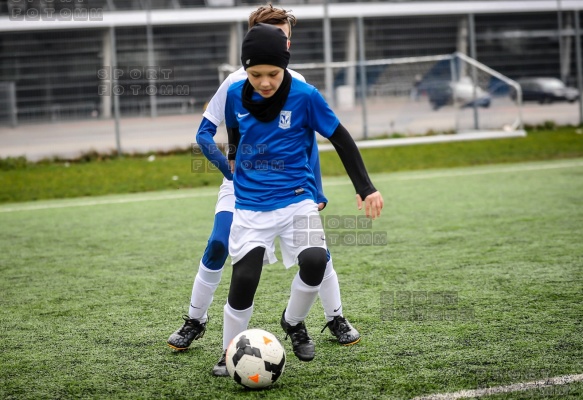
{"points": [[210, 269], [270, 119]]}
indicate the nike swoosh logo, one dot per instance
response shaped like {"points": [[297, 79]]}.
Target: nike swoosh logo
{"points": [[338, 308], [239, 115], [194, 306]]}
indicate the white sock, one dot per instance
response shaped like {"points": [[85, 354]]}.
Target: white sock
{"points": [[300, 301], [330, 293], [203, 290], [234, 322]]}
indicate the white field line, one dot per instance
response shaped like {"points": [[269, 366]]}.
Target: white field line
{"points": [[195, 194], [516, 387], [100, 202]]}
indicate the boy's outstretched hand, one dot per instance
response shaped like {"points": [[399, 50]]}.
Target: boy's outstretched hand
{"points": [[373, 204]]}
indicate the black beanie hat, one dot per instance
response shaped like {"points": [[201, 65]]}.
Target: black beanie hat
{"points": [[265, 44]]}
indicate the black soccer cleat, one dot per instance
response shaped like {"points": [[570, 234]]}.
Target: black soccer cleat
{"points": [[346, 334], [192, 330], [220, 369], [302, 344]]}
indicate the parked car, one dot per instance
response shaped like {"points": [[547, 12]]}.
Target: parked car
{"points": [[441, 93], [545, 90]]}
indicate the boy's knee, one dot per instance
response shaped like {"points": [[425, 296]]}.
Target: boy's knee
{"points": [[245, 279], [312, 262], [215, 254], [218, 248]]}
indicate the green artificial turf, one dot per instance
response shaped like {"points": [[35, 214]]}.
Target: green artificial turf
{"points": [[478, 283]]}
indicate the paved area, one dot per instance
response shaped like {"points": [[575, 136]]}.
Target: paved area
{"points": [[71, 139]]}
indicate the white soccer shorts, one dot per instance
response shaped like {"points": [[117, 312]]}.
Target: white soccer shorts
{"points": [[298, 227], [226, 198]]}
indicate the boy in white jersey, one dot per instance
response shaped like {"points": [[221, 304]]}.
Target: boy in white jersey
{"points": [[211, 265], [271, 118]]}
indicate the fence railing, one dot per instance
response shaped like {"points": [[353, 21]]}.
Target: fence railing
{"points": [[411, 96]]}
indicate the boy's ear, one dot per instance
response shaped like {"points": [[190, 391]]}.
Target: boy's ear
{"points": [[288, 44]]}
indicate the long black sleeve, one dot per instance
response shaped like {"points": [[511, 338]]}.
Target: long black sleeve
{"points": [[234, 137], [352, 161]]}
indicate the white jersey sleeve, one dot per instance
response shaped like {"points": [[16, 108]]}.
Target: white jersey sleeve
{"points": [[215, 110]]}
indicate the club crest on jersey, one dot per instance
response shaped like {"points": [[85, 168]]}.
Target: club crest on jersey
{"points": [[285, 119]]}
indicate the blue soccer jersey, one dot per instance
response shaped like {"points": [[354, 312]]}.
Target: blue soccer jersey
{"points": [[272, 168]]}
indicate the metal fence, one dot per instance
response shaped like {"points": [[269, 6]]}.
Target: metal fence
{"points": [[9, 6], [59, 74], [8, 113], [421, 95]]}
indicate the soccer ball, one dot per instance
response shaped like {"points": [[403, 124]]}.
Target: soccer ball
{"points": [[255, 358]]}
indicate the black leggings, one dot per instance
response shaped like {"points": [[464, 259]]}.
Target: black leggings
{"points": [[247, 273]]}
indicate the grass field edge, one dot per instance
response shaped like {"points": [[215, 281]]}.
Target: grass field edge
{"points": [[327, 181]]}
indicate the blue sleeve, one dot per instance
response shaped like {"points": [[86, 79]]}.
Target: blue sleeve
{"points": [[314, 160], [321, 117], [205, 139]]}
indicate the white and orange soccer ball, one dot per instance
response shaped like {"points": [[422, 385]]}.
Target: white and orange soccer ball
{"points": [[255, 358]]}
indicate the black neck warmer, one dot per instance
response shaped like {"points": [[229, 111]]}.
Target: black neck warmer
{"points": [[267, 109]]}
